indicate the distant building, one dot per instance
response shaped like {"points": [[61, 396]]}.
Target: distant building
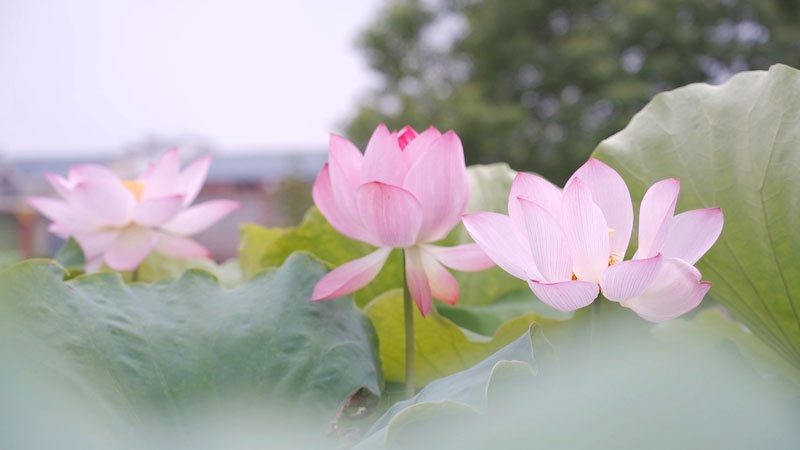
{"points": [[274, 190]]}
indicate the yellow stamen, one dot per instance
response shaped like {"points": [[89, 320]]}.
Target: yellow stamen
{"points": [[613, 259], [136, 187]]}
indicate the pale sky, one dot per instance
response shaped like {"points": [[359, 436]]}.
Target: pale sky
{"points": [[89, 77]]}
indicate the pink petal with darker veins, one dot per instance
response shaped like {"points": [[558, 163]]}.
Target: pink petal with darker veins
{"points": [[105, 200], [627, 279], [161, 178], [495, 235], [438, 179], [442, 283], [655, 215], [405, 136], [586, 231], [420, 145], [324, 197], [61, 185], [465, 257], [191, 179], [392, 215], [384, 161], [199, 217], [344, 169], [130, 248], [352, 276], [181, 247], [549, 246], [62, 213], [611, 195], [676, 290], [566, 295], [536, 189], [85, 172], [692, 233], [419, 286], [95, 244], [156, 211]]}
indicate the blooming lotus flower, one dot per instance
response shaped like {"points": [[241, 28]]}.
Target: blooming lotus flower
{"points": [[569, 245], [406, 191], [681, 240], [120, 222]]}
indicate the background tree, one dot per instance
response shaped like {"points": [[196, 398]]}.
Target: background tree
{"points": [[539, 83]]}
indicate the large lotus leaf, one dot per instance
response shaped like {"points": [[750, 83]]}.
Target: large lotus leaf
{"points": [[268, 247], [736, 146], [441, 347], [711, 328], [629, 392], [45, 402], [178, 343], [48, 402], [457, 397], [157, 267]]}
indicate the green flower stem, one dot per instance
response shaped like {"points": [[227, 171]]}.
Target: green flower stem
{"points": [[408, 313]]}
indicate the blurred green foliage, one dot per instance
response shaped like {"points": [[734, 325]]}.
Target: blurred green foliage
{"points": [[539, 84]]}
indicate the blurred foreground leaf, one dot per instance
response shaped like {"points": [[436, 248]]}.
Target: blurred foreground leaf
{"points": [[626, 392], [168, 347], [460, 396], [711, 328]]}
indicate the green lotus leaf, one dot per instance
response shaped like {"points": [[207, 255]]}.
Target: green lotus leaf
{"points": [[447, 402], [486, 319], [608, 384], [176, 344], [157, 267], [711, 328], [441, 347]]}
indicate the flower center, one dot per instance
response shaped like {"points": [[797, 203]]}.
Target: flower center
{"points": [[613, 259], [136, 187], [406, 135]]}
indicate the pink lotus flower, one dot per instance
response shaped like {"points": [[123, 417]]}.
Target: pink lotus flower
{"points": [[405, 191], [120, 222], [569, 245], [680, 240]]}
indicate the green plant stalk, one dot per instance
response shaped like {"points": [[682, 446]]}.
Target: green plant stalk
{"points": [[408, 322]]}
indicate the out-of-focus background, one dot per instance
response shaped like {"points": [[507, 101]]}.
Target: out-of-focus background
{"points": [[260, 84]]}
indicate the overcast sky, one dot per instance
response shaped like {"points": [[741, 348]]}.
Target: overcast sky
{"points": [[94, 76]]}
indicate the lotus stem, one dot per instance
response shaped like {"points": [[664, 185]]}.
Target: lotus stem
{"points": [[408, 322]]}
